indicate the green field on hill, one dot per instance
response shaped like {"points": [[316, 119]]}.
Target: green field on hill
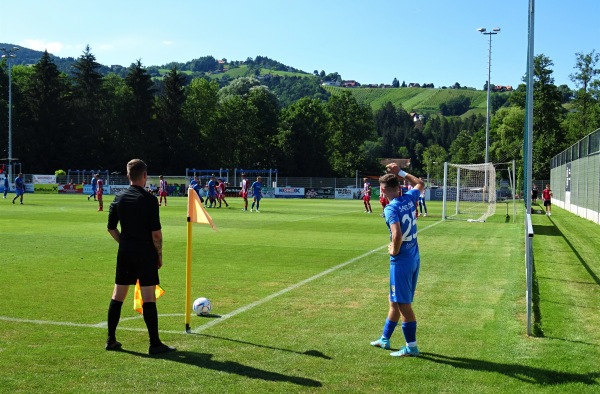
{"points": [[420, 100]]}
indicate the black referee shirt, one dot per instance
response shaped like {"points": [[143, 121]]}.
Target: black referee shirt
{"points": [[137, 210]]}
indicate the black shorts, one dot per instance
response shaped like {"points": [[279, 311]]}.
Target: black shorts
{"points": [[133, 266], [547, 203]]}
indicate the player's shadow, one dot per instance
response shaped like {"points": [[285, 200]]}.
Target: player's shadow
{"points": [[313, 353], [204, 360], [527, 374]]}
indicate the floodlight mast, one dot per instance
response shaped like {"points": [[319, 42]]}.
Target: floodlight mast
{"points": [[483, 30], [8, 54]]}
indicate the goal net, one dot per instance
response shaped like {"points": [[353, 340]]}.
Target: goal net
{"points": [[469, 191]]}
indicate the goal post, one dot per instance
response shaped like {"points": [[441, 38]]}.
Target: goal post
{"points": [[469, 191]]}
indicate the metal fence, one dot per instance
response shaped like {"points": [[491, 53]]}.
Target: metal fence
{"points": [[575, 178]]}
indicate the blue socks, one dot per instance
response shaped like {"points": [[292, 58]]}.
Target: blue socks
{"points": [[409, 329], [388, 328]]}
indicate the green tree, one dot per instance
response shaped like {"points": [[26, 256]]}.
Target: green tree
{"points": [[87, 108], [200, 110], [585, 102], [174, 138], [506, 132], [47, 119], [139, 111], [548, 135], [433, 158], [351, 125], [459, 149], [303, 139]]}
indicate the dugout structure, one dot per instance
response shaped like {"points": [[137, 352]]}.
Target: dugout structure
{"points": [[469, 191]]}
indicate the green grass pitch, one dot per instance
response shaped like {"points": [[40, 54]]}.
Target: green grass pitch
{"points": [[298, 291]]}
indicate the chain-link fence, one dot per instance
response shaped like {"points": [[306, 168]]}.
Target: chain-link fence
{"points": [[575, 178]]}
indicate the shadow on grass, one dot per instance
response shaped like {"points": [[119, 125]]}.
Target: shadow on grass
{"points": [[554, 231], [523, 373], [313, 353], [204, 360]]}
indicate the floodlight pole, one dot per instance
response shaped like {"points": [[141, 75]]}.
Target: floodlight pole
{"points": [[483, 30], [8, 54]]}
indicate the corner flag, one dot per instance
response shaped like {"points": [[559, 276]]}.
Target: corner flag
{"points": [[195, 214], [137, 297]]}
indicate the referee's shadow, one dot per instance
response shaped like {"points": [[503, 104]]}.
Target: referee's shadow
{"points": [[204, 360]]}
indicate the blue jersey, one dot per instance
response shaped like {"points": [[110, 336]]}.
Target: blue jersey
{"points": [[19, 183], [94, 183], [403, 210], [257, 189], [211, 188]]}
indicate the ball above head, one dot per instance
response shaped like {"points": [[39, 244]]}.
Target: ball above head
{"points": [[202, 306]]}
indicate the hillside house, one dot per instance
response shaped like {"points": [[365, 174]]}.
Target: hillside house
{"points": [[414, 85], [350, 84]]}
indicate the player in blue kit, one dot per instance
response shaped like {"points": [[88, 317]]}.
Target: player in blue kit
{"points": [[405, 261], [196, 186], [94, 187], [212, 192], [19, 188], [257, 193]]}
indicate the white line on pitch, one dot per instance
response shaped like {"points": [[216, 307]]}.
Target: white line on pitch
{"points": [[216, 321]]}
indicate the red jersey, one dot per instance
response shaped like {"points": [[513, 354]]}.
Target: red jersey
{"points": [[367, 191], [546, 194], [244, 191], [162, 190], [99, 188]]}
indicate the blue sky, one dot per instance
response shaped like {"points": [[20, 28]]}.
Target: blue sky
{"points": [[371, 41]]}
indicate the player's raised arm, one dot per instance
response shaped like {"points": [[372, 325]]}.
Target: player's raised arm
{"points": [[416, 182]]}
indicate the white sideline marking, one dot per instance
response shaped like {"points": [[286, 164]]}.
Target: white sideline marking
{"points": [[216, 321]]}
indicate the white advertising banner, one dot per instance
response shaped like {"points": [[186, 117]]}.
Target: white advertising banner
{"points": [[45, 179], [289, 192]]}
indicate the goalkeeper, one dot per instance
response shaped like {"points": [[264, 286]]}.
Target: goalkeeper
{"points": [[400, 217]]}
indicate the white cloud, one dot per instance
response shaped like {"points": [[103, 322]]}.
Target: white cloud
{"points": [[40, 45], [167, 43]]}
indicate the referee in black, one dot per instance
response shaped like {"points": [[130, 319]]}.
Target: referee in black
{"points": [[139, 256]]}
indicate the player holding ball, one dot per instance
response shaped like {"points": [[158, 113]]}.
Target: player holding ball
{"points": [[405, 261]]}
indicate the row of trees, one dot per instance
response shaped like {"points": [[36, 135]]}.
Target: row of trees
{"points": [[87, 120]]}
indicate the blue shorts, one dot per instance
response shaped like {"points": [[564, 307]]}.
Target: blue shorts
{"points": [[403, 282], [19, 192]]}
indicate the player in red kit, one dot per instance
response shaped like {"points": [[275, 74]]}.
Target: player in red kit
{"points": [[99, 192], [367, 195], [221, 192], [244, 191], [382, 200], [162, 190]]}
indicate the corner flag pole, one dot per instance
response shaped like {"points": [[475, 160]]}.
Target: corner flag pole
{"points": [[195, 214], [188, 272]]}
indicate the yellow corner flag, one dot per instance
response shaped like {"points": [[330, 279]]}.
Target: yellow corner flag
{"points": [[196, 212], [137, 296]]}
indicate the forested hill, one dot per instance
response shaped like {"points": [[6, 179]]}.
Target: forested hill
{"points": [[290, 84]]}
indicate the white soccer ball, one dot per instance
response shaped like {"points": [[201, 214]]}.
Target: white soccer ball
{"points": [[202, 306]]}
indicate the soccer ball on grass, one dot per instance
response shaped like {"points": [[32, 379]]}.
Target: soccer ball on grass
{"points": [[202, 306]]}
